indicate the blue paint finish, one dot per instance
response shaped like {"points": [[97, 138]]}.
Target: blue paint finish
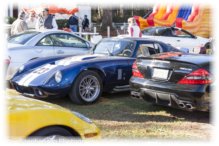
{"points": [[106, 66]]}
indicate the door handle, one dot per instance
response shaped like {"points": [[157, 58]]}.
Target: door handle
{"points": [[60, 52]]}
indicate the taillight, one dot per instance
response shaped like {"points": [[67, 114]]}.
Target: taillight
{"points": [[135, 71], [198, 77], [7, 61]]}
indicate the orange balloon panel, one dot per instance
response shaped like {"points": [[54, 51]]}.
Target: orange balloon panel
{"points": [[201, 25], [52, 9]]}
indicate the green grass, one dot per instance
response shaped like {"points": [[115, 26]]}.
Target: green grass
{"points": [[121, 116]]}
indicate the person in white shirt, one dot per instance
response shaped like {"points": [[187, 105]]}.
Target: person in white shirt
{"points": [[133, 28], [46, 21], [19, 25], [31, 21]]}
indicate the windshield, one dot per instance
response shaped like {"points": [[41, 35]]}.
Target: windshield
{"points": [[22, 38], [170, 48], [115, 48], [154, 31]]}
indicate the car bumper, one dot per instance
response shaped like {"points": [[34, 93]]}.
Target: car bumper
{"points": [[41, 91], [187, 97]]}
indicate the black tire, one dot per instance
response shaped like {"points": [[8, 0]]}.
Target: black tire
{"points": [[75, 95], [51, 131]]}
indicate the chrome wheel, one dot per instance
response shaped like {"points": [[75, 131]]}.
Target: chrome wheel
{"points": [[89, 88]]}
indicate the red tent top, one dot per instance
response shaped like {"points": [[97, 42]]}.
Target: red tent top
{"points": [[52, 9]]}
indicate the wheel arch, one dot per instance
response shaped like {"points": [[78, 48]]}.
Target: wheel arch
{"points": [[100, 72], [72, 131]]}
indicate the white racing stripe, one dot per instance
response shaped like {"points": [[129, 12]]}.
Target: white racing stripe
{"points": [[70, 60], [25, 81]]}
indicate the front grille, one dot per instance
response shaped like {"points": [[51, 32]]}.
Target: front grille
{"points": [[24, 89]]}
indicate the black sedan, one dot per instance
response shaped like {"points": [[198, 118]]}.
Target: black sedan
{"points": [[173, 79]]}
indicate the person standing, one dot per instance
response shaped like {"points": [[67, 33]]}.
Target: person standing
{"points": [[31, 21], [133, 28], [85, 23], [19, 25], [46, 21], [73, 23]]}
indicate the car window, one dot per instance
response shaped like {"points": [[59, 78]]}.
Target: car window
{"points": [[149, 49], [158, 48], [169, 48], [66, 40], [168, 33], [46, 41], [149, 31], [115, 47], [180, 33], [154, 31], [22, 38], [126, 51]]}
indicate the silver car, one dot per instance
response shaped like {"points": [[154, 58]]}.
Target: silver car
{"points": [[34, 44], [176, 37]]}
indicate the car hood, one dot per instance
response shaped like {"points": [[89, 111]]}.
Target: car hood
{"points": [[10, 45], [41, 74], [73, 59], [20, 103]]}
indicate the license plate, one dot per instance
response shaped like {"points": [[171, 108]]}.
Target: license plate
{"points": [[160, 73]]}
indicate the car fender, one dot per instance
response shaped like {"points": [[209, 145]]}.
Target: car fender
{"points": [[25, 125], [76, 70], [31, 64]]}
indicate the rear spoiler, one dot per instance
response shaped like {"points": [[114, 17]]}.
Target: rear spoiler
{"points": [[162, 55], [154, 57]]}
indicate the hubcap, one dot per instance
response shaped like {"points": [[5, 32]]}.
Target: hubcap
{"points": [[89, 88]]}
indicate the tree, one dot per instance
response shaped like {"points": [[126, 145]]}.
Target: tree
{"points": [[106, 19]]}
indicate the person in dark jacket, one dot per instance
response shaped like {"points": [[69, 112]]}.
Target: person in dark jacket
{"points": [[85, 23], [46, 21], [73, 23]]}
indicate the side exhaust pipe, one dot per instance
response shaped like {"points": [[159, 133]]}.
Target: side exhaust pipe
{"points": [[189, 106], [181, 105]]}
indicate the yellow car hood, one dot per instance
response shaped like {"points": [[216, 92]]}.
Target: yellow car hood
{"points": [[20, 103], [26, 115]]}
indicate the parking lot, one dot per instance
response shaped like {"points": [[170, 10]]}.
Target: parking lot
{"points": [[121, 116], [71, 55]]}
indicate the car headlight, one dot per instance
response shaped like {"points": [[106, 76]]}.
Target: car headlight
{"points": [[20, 69], [82, 117], [58, 76]]}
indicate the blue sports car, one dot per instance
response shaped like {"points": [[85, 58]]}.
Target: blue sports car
{"points": [[107, 68]]}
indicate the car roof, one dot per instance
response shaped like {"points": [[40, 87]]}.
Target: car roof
{"points": [[162, 27], [131, 38], [49, 31], [46, 31]]}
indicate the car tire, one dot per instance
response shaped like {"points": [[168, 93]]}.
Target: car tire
{"points": [[54, 132], [82, 93]]}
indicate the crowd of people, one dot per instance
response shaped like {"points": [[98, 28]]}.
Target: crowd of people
{"points": [[44, 20]]}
